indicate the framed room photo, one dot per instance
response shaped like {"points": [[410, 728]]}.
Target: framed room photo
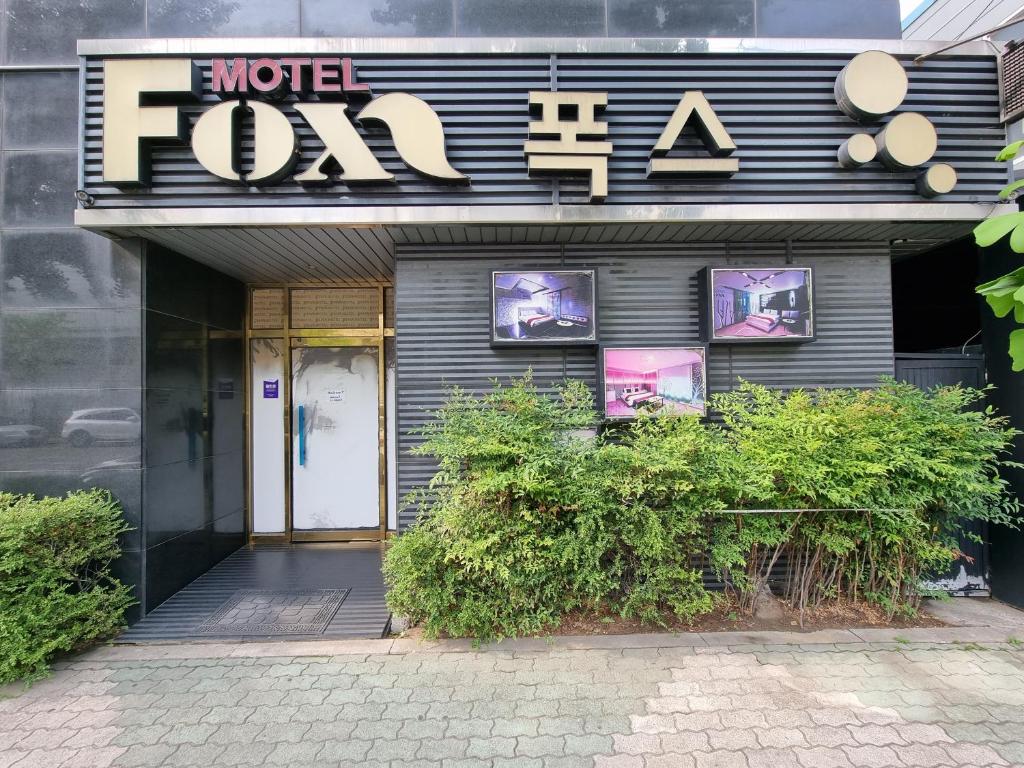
{"points": [[742, 305], [653, 380], [555, 307]]}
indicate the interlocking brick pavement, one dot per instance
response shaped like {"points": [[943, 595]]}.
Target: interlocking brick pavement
{"points": [[812, 706]]}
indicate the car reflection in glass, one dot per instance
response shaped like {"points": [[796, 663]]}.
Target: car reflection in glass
{"points": [[21, 435], [110, 475], [92, 425]]}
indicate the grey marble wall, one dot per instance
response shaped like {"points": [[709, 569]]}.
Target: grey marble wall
{"points": [[70, 316], [194, 414]]}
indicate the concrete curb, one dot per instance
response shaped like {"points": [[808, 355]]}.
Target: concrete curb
{"points": [[399, 646]]}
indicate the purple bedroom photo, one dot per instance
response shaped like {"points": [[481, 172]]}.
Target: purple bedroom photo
{"points": [[770, 304], [653, 380], [552, 307]]}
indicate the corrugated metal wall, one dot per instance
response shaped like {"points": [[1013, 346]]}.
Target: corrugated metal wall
{"points": [[647, 294], [779, 109]]}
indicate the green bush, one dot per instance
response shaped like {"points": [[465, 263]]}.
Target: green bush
{"points": [[886, 477], [527, 520], [56, 591], [499, 552]]}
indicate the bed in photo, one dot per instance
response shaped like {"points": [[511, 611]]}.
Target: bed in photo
{"points": [[654, 380], [760, 304], [543, 307]]}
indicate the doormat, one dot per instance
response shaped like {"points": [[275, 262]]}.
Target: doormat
{"points": [[275, 612]]}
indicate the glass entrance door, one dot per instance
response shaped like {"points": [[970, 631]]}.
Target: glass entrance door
{"points": [[337, 439]]}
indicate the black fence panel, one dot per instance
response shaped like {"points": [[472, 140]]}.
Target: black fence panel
{"points": [[970, 575]]}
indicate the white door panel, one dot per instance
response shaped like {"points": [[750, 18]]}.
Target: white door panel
{"points": [[335, 443], [268, 440]]}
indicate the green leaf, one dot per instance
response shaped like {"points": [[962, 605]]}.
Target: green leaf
{"points": [[991, 231], [1017, 239], [1009, 189], [1003, 284], [1009, 152], [1001, 305], [1005, 289], [1017, 349]]}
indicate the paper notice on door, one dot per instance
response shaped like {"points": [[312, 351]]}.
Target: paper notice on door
{"points": [[336, 395], [270, 389]]}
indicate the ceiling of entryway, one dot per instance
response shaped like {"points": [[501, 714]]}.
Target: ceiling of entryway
{"points": [[363, 255]]}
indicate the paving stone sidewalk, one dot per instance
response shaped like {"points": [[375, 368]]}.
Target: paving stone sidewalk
{"points": [[827, 705]]}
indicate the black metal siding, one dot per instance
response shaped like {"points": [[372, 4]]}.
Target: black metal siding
{"points": [[926, 370], [647, 294], [779, 109]]}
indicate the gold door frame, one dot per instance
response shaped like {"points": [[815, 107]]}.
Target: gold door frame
{"points": [[318, 337], [343, 534]]}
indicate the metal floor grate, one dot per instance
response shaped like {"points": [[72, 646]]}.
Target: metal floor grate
{"points": [[351, 569], [275, 612]]}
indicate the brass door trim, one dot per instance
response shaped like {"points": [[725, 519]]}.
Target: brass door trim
{"points": [[269, 538], [301, 338], [333, 332], [339, 534], [382, 432], [307, 342], [286, 385], [346, 534]]}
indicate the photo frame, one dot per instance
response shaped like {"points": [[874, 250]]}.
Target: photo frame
{"points": [[757, 305], [652, 379], [544, 307]]}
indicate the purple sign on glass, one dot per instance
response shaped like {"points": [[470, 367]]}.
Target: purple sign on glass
{"points": [[270, 389]]}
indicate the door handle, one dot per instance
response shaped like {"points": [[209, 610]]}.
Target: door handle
{"points": [[302, 436]]}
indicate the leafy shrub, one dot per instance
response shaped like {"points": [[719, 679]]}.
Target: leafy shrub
{"points": [[525, 520], [481, 563], [56, 591], [661, 480], [886, 476]]}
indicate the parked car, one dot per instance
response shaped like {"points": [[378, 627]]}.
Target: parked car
{"points": [[21, 435], [102, 424]]}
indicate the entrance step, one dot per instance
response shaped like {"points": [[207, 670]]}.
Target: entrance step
{"points": [[276, 592]]}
